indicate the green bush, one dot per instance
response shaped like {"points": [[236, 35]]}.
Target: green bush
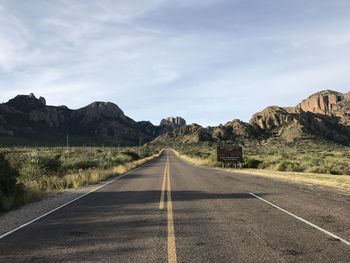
{"points": [[133, 155], [289, 166], [32, 171], [253, 163], [10, 190], [75, 164]]}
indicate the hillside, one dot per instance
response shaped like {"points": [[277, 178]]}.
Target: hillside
{"points": [[26, 120], [324, 115]]}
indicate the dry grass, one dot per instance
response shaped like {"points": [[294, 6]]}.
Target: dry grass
{"points": [[329, 180], [193, 160], [84, 177], [37, 175]]}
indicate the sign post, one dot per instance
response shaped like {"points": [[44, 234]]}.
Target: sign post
{"points": [[229, 154]]}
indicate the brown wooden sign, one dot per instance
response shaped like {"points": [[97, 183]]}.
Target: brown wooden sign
{"points": [[229, 153]]}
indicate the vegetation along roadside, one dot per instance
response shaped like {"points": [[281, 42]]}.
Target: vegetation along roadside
{"points": [[316, 164], [28, 174]]}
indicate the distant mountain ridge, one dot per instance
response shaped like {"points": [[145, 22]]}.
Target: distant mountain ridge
{"points": [[26, 120], [325, 115]]}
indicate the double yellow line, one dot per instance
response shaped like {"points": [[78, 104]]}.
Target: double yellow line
{"points": [[166, 187]]}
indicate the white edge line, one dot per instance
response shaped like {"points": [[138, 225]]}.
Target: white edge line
{"points": [[303, 220], [69, 202]]}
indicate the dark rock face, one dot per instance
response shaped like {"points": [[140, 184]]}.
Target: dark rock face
{"points": [[26, 120], [25, 103], [173, 121]]}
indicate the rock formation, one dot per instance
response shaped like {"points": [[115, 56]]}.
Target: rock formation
{"points": [[330, 103], [26, 120], [325, 114], [173, 121]]}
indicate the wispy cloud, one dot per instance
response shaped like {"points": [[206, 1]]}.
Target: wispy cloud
{"points": [[210, 61]]}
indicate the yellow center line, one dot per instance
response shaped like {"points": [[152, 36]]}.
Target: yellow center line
{"points": [[166, 186], [162, 195], [171, 230]]}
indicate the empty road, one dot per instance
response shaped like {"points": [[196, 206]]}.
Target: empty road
{"points": [[171, 211]]}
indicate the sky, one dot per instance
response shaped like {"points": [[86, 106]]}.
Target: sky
{"points": [[209, 61]]}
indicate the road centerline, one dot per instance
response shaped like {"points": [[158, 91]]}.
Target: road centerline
{"points": [[171, 230], [166, 187], [302, 220], [162, 195]]}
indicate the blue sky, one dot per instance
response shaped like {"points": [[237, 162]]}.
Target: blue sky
{"points": [[209, 61]]}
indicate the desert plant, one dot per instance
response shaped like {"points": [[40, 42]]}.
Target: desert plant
{"points": [[32, 171], [10, 189], [252, 163]]}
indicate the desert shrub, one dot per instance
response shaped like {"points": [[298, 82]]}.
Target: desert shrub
{"points": [[198, 153], [32, 171], [329, 167], [76, 164], [51, 164], [133, 155], [335, 167], [267, 164], [289, 166], [252, 163], [10, 190]]}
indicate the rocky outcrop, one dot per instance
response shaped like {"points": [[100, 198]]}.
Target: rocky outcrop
{"points": [[328, 102], [317, 116], [324, 102], [42, 100], [173, 121], [272, 117], [189, 134]]}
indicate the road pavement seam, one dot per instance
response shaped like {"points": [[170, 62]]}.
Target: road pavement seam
{"points": [[67, 203], [302, 220]]}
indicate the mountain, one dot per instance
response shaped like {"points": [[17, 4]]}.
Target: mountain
{"points": [[26, 120], [173, 122], [194, 133], [328, 102], [324, 115]]}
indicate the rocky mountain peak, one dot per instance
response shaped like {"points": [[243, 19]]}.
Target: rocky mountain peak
{"points": [[173, 121], [324, 102], [106, 109], [272, 117], [27, 103]]}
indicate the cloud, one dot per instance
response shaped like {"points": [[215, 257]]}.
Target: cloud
{"points": [[14, 38], [210, 61]]}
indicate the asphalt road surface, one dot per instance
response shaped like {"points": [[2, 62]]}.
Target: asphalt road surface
{"points": [[171, 211]]}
